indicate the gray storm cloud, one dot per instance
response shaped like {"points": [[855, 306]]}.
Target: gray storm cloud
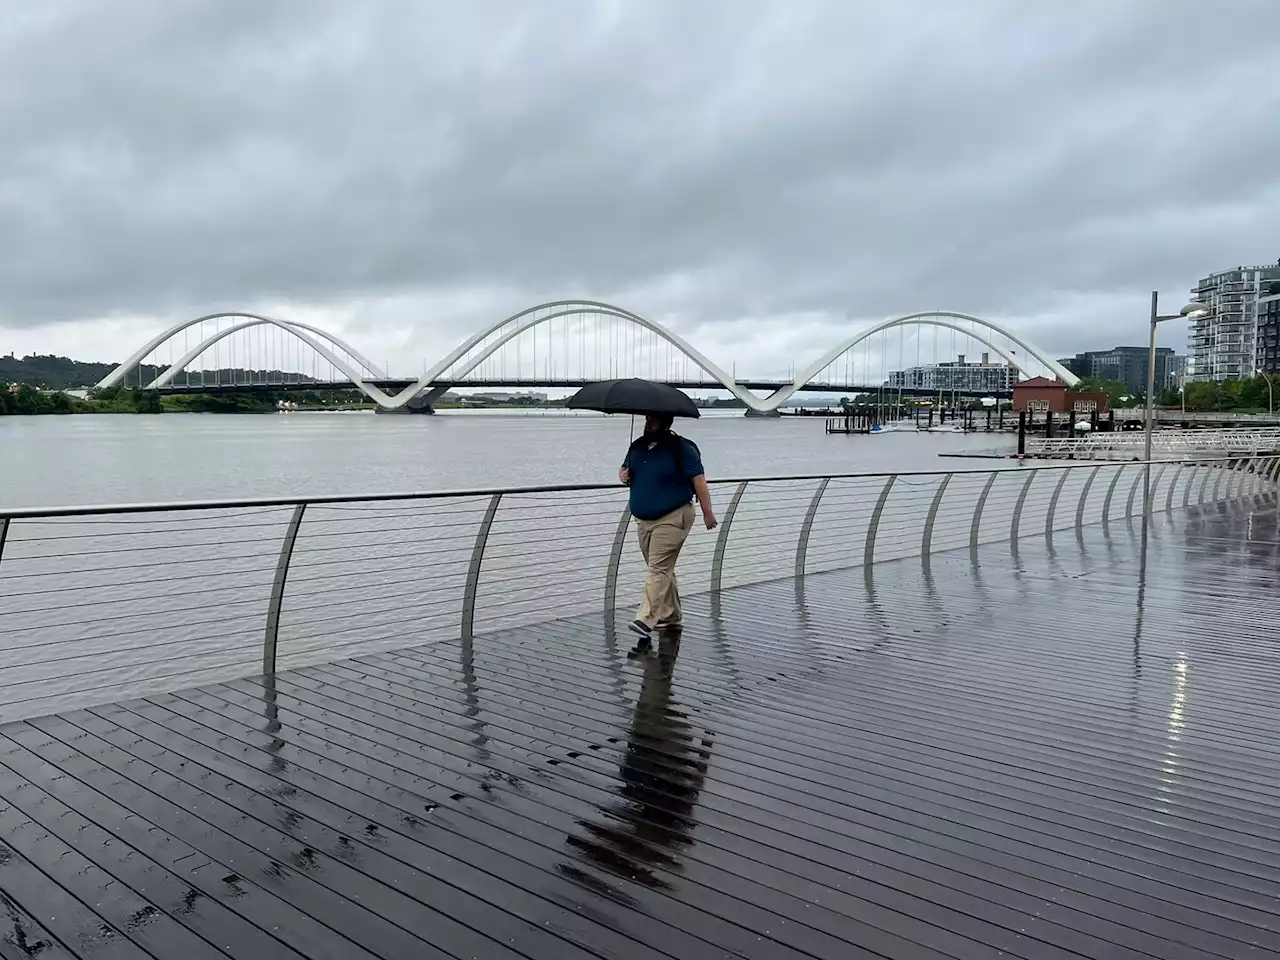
{"points": [[420, 167]]}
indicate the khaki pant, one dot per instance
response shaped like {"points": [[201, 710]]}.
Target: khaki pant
{"points": [[660, 543]]}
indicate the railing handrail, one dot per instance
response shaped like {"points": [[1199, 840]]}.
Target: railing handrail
{"points": [[1136, 436], [1189, 441], [1186, 443], [35, 513]]}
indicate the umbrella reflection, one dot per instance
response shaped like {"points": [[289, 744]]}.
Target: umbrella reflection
{"points": [[664, 765]]}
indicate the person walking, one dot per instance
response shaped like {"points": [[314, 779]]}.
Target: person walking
{"points": [[665, 474]]}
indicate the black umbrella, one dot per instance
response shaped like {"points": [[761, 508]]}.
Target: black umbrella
{"points": [[633, 396]]}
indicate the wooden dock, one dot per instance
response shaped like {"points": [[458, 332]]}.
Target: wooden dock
{"points": [[1067, 750]]}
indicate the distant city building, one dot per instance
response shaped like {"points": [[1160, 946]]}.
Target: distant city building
{"points": [[1127, 365], [1224, 343], [1177, 369], [982, 377], [1268, 350]]}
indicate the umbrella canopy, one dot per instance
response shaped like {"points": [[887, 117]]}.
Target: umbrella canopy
{"points": [[633, 396]]}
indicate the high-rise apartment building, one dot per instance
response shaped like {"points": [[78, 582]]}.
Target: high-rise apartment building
{"points": [[985, 376], [1127, 365], [1224, 343], [1268, 354]]}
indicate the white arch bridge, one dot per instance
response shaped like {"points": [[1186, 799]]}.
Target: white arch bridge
{"points": [[565, 343]]}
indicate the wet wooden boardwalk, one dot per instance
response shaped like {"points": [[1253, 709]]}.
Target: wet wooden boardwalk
{"points": [[1068, 751]]}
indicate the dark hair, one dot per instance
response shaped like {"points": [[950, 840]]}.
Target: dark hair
{"points": [[664, 420]]}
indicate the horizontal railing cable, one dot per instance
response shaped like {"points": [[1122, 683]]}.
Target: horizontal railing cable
{"points": [[568, 490]]}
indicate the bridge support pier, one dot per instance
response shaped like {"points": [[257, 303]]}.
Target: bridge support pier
{"points": [[422, 403], [764, 414]]}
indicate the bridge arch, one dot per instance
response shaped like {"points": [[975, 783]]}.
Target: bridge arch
{"points": [[292, 326], [570, 308], [355, 376], [930, 318]]}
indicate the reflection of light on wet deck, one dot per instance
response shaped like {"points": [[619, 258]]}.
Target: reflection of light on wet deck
{"points": [[1174, 726]]}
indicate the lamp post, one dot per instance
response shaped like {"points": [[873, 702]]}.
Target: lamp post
{"points": [[1270, 397], [1191, 311]]}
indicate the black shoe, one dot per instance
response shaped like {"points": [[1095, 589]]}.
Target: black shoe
{"points": [[640, 649], [640, 627]]}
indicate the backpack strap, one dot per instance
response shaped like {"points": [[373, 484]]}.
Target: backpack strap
{"points": [[678, 453], [671, 441]]}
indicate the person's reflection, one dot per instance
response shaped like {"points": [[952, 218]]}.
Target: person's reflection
{"points": [[662, 773]]}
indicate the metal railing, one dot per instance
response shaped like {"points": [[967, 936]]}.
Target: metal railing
{"points": [[1166, 444], [102, 603], [1138, 414]]}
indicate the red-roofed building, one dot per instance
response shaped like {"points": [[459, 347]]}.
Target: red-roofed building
{"points": [[1042, 395]]}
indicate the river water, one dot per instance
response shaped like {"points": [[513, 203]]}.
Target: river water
{"points": [[58, 461]]}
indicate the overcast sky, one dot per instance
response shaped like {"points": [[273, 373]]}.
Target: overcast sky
{"points": [[764, 177]]}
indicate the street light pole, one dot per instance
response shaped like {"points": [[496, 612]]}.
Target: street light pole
{"points": [[1190, 311], [1270, 398], [1151, 375]]}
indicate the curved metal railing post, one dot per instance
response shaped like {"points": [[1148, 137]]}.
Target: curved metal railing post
{"points": [[975, 527], [717, 559], [1209, 472], [1173, 486], [1233, 477], [1084, 495], [1259, 469], [1223, 467], [926, 541], [802, 543], [615, 558], [1017, 509], [473, 569], [1155, 486], [1111, 492], [1245, 469], [1133, 490], [873, 526], [1053, 504], [271, 636], [4, 533]]}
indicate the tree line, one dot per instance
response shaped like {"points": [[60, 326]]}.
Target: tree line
{"points": [[24, 399], [1249, 394], [1207, 396], [20, 399]]}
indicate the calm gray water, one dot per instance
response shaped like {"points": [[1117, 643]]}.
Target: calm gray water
{"points": [[55, 461]]}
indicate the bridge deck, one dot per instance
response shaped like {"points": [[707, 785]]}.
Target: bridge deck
{"points": [[1054, 755]]}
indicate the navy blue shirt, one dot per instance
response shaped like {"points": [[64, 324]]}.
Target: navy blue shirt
{"points": [[661, 482]]}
